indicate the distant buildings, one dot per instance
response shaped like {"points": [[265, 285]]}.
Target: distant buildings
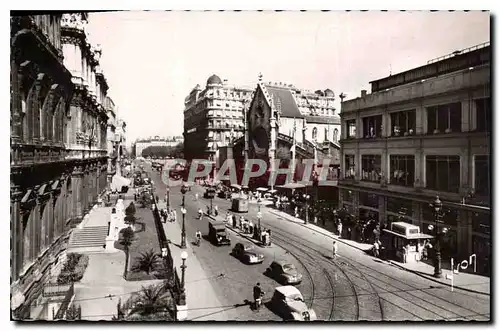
{"points": [[212, 116], [142, 144], [116, 139], [421, 133], [58, 152]]}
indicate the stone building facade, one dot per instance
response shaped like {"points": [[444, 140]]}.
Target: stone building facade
{"points": [[58, 149], [212, 116], [422, 133], [142, 144]]}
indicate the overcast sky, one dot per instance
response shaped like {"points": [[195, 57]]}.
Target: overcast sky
{"points": [[152, 60]]}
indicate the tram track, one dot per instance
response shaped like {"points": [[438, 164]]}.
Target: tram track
{"points": [[406, 297]]}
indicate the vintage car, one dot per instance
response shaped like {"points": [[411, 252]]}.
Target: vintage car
{"points": [[209, 193], [288, 303], [217, 233], [284, 273], [247, 254], [239, 205]]}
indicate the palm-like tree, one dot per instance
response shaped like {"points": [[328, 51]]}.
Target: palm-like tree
{"points": [[147, 262], [127, 238], [152, 300]]}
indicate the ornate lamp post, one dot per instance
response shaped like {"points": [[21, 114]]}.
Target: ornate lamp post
{"points": [[259, 217], [183, 233], [182, 296], [183, 191], [438, 207], [306, 198]]}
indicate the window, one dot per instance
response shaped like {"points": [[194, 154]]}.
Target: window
{"points": [[227, 105], [326, 134], [351, 128], [483, 115], [400, 206], [336, 133], [481, 223], [443, 173], [482, 175], [444, 118], [368, 199], [350, 167], [315, 134], [403, 123], [371, 168], [372, 126], [402, 170]]}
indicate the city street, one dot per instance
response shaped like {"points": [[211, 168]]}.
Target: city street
{"points": [[355, 286]]}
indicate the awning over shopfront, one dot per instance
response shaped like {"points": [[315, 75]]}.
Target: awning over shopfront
{"points": [[262, 189], [291, 186]]}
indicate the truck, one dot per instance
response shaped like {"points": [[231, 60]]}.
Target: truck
{"points": [[217, 233]]}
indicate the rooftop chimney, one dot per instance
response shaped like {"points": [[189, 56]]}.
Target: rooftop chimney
{"points": [[363, 93], [225, 81]]}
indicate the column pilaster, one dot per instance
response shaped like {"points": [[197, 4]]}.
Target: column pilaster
{"points": [[77, 189], [16, 230]]}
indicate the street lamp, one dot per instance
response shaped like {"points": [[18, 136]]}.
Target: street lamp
{"points": [[259, 217], [306, 197], [438, 207], [183, 233], [182, 296], [168, 198], [183, 191]]}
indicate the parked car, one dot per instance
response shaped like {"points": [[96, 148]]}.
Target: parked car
{"points": [[289, 303], [284, 273], [247, 254]]}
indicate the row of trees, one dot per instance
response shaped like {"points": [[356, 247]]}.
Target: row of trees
{"points": [[164, 151]]}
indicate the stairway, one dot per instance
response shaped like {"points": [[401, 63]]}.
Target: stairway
{"points": [[88, 239]]}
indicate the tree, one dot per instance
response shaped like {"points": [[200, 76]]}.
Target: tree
{"points": [[127, 238], [152, 300], [130, 214], [147, 262]]}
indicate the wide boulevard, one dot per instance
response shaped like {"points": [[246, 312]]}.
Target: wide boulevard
{"points": [[355, 286]]}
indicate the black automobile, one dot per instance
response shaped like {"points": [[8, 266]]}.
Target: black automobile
{"points": [[247, 254], [284, 273]]}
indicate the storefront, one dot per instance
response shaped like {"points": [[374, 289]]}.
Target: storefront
{"points": [[481, 240]]}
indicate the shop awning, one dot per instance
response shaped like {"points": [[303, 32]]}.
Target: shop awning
{"points": [[262, 189], [236, 186], [291, 186], [413, 236]]}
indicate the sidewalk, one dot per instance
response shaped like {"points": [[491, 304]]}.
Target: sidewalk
{"points": [[199, 291], [464, 281]]}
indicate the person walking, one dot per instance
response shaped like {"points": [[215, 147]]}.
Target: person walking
{"points": [[376, 249], [334, 250], [216, 210], [257, 296], [339, 228], [196, 197]]}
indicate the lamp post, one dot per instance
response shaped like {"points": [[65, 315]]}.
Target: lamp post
{"points": [[183, 191], [182, 296], [438, 207], [306, 198], [168, 198], [183, 233], [259, 217]]}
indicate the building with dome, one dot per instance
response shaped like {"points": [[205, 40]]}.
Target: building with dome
{"points": [[211, 116]]}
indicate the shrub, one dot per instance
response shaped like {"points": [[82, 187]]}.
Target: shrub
{"points": [[72, 272]]}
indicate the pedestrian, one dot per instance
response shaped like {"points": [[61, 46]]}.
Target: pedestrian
{"points": [[174, 214], [216, 210], [376, 249], [427, 249], [334, 249], [196, 197], [339, 228]]}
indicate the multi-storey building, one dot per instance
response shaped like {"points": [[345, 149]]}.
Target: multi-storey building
{"points": [[142, 144], [58, 150], [212, 116], [422, 133], [113, 138]]}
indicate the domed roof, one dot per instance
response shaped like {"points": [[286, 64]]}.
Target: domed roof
{"points": [[329, 93], [214, 80]]}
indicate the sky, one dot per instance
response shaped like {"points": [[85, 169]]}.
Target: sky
{"points": [[152, 60]]}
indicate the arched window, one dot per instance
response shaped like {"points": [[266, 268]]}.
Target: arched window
{"points": [[326, 134], [315, 134], [335, 135]]}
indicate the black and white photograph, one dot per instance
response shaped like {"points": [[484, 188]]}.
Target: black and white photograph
{"points": [[176, 166]]}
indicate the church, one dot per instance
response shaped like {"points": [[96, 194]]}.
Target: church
{"points": [[287, 124]]}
